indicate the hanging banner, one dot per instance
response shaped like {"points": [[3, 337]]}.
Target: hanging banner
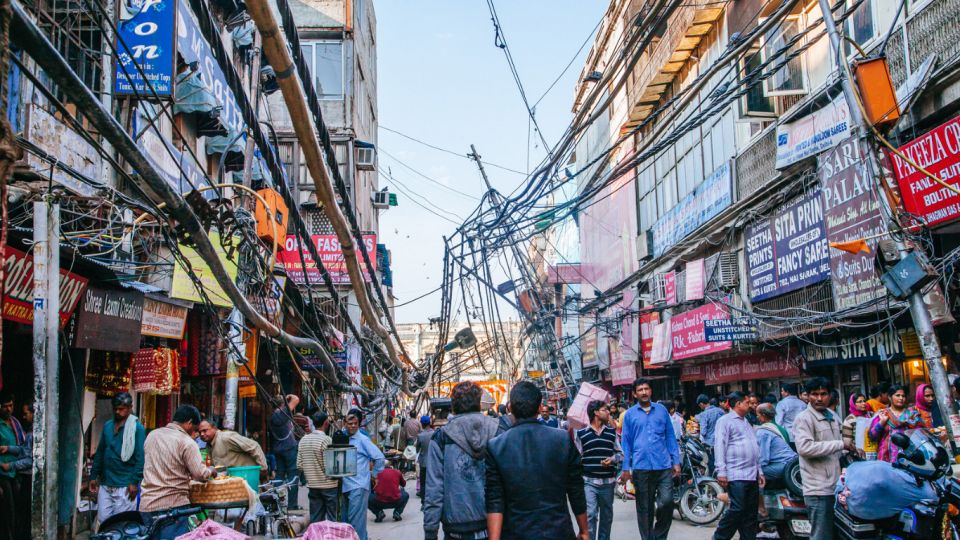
{"points": [[661, 344], [670, 288], [694, 280], [109, 320], [704, 203], [163, 319], [818, 131], [687, 334], [328, 247], [145, 37], [18, 289], [246, 385], [588, 344], [354, 368], [939, 153], [647, 323], [789, 250], [762, 365], [184, 288], [851, 212]]}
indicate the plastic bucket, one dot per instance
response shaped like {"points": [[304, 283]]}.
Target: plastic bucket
{"points": [[251, 474]]}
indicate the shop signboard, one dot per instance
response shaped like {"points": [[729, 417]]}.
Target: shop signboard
{"points": [[145, 37], [740, 329], [109, 320], [851, 212], [183, 286], [692, 372], [818, 131], [588, 344], [687, 332], [883, 346], [939, 153], [18, 289], [163, 319], [762, 365], [694, 280], [706, 201], [647, 322], [670, 288], [661, 344], [328, 247], [788, 250]]}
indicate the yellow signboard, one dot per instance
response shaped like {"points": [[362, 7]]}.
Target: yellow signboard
{"points": [[535, 374], [183, 287]]}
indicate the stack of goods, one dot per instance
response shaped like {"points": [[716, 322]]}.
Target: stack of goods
{"points": [[220, 491], [108, 374], [156, 371]]}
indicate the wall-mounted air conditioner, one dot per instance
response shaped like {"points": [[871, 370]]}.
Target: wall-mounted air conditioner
{"points": [[366, 158]]}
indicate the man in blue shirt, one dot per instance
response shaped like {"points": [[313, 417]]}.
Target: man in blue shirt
{"points": [[775, 451], [356, 489], [651, 460], [789, 407], [707, 420], [118, 467]]}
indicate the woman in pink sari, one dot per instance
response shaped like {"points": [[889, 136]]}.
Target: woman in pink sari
{"points": [[896, 418], [926, 407]]}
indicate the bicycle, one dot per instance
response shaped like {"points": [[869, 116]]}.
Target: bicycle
{"points": [[271, 517]]}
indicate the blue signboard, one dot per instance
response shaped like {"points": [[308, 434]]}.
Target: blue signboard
{"points": [[787, 251], [710, 198], [145, 37], [741, 329]]}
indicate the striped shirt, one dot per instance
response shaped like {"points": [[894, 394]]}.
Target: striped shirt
{"points": [[595, 447], [172, 459], [310, 460], [737, 452]]}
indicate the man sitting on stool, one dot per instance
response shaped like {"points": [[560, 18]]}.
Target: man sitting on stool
{"points": [[389, 493]]}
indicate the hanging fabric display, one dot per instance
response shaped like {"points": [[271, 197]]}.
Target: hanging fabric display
{"points": [[156, 371], [108, 374], [145, 370]]}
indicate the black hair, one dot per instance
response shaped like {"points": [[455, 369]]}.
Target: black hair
{"points": [[817, 383], [770, 398], [880, 388], [357, 413], [753, 394], [894, 388], [123, 398], [640, 381], [502, 409], [319, 419], [465, 397], [593, 407], [668, 404], [525, 399], [413, 413], [6, 396], [186, 413], [714, 401], [735, 397], [702, 398], [790, 388]]}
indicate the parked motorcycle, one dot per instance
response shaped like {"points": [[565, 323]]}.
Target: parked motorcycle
{"points": [[136, 526], [696, 494], [924, 457], [786, 511]]}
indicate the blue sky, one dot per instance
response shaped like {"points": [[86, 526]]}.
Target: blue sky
{"points": [[442, 80]]}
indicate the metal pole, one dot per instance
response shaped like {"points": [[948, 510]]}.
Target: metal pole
{"points": [[46, 325], [922, 322]]}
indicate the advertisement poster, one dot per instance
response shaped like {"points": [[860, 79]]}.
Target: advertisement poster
{"points": [[670, 288], [694, 282], [939, 153], [146, 28], [687, 335], [328, 247], [851, 212], [18, 289], [710, 198], [788, 250], [184, 288], [818, 131], [647, 322]]}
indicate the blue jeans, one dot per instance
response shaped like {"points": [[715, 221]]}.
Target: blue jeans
{"points": [[356, 511], [287, 470], [599, 509], [820, 510]]}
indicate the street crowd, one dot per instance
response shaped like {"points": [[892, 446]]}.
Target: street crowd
{"points": [[512, 473]]}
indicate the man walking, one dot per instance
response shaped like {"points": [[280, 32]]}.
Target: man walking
{"points": [[738, 471], [230, 449], [818, 435], [356, 489], [118, 463], [707, 419], [531, 473], [284, 449], [789, 407], [389, 493], [547, 418], [423, 446], [172, 460], [11, 434], [322, 489], [651, 457], [456, 469], [601, 459], [411, 428]]}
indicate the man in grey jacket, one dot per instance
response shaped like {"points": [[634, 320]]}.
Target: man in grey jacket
{"points": [[817, 433], [456, 470]]}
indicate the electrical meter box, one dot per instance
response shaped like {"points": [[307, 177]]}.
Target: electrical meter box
{"points": [[275, 212]]}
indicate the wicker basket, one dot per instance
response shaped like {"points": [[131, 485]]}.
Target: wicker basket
{"points": [[230, 489]]}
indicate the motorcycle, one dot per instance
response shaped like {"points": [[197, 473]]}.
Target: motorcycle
{"points": [[786, 511], [137, 526], [924, 457], [696, 495]]}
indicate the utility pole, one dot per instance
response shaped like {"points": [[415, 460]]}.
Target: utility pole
{"points": [[922, 322], [46, 368]]}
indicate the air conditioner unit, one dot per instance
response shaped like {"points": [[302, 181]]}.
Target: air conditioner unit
{"points": [[645, 245], [728, 271], [366, 158], [381, 199]]}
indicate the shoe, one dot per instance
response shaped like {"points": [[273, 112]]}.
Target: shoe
{"points": [[397, 517], [380, 517]]}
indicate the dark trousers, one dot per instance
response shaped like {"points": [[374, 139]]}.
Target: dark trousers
{"points": [[323, 504], [654, 498], [741, 515], [422, 487], [171, 529], [8, 508], [23, 494], [287, 470], [376, 506]]}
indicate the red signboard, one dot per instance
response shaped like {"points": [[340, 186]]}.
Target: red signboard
{"points": [[670, 288], [647, 322], [763, 365], [686, 332], [939, 153], [328, 247], [18, 289], [692, 372]]}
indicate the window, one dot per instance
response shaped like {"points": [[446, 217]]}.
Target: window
{"points": [[789, 79], [325, 60], [755, 103], [860, 25]]}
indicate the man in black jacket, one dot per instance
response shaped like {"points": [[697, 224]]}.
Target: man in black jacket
{"points": [[532, 471]]}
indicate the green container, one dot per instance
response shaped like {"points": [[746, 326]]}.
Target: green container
{"points": [[251, 474]]}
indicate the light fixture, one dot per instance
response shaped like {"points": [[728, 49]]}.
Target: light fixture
{"points": [[916, 364]]}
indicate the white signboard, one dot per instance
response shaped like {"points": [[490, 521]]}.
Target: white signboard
{"points": [[661, 343], [162, 319], [694, 283], [818, 131]]}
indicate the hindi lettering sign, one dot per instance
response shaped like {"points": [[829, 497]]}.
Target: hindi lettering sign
{"points": [[687, 332], [18, 289], [939, 153], [789, 250], [670, 288], [851, 212], [692, 372]]}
